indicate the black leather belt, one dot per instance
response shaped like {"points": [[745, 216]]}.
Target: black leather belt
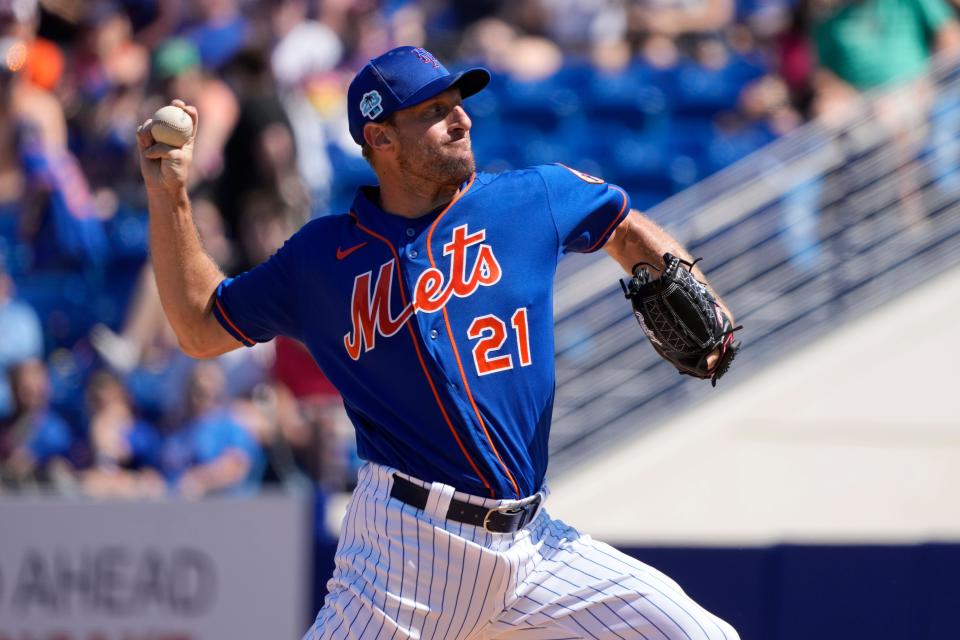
{"points": [[496, 520]]}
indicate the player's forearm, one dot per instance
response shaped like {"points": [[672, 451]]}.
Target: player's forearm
{"points": [[186, 276], [640, 239]]}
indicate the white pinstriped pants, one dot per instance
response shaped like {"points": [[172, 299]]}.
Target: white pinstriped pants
{"points": [[404, 573]]}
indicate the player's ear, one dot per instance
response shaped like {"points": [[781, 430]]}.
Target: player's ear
{"points": [[377, 136]]}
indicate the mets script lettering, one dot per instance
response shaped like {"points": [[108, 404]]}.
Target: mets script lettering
{"points": [[370, 303]]}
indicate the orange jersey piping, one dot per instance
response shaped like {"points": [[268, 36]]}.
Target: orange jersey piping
{"points": [[416, 347], [616, 220], [453, 343], [226, 317]]}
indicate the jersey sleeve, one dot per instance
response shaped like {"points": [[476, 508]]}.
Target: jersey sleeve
{"points": [[262, 303], [585, 209]]}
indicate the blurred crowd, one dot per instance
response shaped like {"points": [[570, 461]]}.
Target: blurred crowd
{"points": [[95, 396]]}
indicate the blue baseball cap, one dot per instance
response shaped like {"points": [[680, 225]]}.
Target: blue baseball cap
{"points": [[401, 78]]}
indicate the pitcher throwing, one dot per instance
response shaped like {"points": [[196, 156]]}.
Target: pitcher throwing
{"points": [[429, 306]]}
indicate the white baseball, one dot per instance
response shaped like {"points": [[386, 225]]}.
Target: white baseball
{"points": [[171, 125]]}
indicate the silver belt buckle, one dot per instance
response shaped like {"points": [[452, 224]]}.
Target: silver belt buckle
{"points": [[507, 511], [533, 502]]}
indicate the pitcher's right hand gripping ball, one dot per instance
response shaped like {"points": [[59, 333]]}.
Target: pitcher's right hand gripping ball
{"points": [[171, 125], [166, 167], [681, 318]]}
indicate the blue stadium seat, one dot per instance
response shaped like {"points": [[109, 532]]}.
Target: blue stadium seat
{"points": [[501, 148], [349, 172], [15, 256], [127, 232], [699, 91], [483, 106], [58, 298], [623, 98], [729, 146], [641, 164], [546, 149], [544, 105], [658, 164], [692, 135], [644, 199]]}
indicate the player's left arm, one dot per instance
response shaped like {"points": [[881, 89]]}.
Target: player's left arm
{"points": [[639, 239]]}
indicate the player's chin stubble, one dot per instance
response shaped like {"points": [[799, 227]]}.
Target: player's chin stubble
{"points": [[443, 165]]}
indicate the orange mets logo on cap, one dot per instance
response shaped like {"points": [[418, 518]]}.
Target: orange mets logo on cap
{"points": [[371, 104]]}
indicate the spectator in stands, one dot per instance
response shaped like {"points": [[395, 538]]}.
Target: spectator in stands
{"points": [[34, 440], [271, 75], [261, 155], [64, 227], [22, 336], [875, 43], [488, 40], [12, 178], [765, 104], [795, 58], [45, 64], [154, 20], [311, 418], [56, 215], [125, 448], [219, 32], [305, 51], [265, 223], [27, 102], [364, 29], [674, 18], [106, 90], [106, 55], [505, 49], [146, 338], [578, 25], [210, 452], [177, 66]]}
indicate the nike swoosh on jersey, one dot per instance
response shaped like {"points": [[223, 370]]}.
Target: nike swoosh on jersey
{"points": [[341, 254]]}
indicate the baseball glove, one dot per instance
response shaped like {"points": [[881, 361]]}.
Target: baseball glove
{"points": [[681, 318]]}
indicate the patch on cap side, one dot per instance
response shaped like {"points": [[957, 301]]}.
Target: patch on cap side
{"points": [[371, 104]]}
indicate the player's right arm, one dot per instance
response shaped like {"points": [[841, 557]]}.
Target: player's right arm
{"points": [[187, 277]]}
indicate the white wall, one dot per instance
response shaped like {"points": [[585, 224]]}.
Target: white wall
{"points": [[856, 437]]}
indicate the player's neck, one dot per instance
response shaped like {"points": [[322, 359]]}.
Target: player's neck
{"points": [[413, 198]]}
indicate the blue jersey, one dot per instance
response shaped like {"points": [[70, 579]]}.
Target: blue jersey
{"points": [[50, 437], [437, 331], [204, 439]]}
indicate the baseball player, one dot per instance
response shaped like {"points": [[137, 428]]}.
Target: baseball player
{"points": [[429, 306]]}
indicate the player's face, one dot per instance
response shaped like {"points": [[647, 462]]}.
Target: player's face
{"points": [[433, 140]]}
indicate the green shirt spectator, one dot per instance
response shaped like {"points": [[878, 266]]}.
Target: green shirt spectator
{"points": [[869, 43]]}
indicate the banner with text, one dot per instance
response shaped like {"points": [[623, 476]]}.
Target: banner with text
{"points": [[163, 570]]}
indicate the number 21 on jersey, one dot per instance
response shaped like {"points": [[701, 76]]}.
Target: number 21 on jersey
{"points": [[492, 334]]}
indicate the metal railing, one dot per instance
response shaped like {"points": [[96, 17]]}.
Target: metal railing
{"points": [[816, 229]]}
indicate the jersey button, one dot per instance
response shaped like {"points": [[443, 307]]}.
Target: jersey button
{"points": [[434, 334], [410, 232], [413, 253]]}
